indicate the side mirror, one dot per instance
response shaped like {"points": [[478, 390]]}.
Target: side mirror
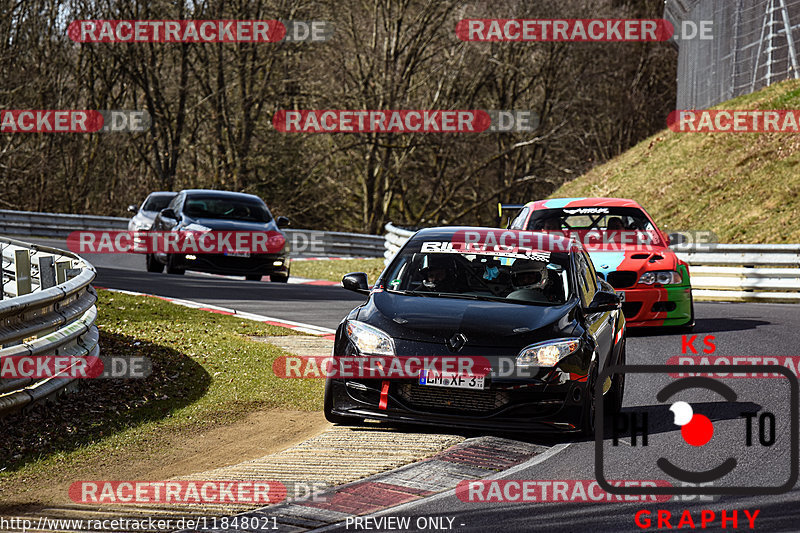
{"points": [[604, 301], [168, 213], [133, 208], [676, 238], [356, 281], [282, 222]]}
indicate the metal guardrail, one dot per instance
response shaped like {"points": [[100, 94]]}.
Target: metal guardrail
{"points": [[333, 243], [394, 239], [30, 223], [745, 272], [304, 242], [47, 308], [719, 272]]}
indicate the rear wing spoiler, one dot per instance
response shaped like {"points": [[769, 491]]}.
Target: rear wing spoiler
{"points": [[504, 207]]}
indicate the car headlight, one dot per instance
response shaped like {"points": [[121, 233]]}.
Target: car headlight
{"points": [[662, 277], [547, 353], [141, 225], [196, 227], [368, 339]]}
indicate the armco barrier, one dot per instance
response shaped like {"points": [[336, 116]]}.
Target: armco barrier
{"points": [[745, 272], [27, 223], [305, 242], [47, 307], [719, 272]]}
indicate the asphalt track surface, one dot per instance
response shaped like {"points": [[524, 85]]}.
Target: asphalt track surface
{"points": [[738, 329]]}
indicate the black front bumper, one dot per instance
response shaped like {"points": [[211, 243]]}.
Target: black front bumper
{"points": [[509, 406], [263, 264]]}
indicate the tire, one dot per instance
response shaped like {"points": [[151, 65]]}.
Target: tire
{"points": [[588, 415], [328, 409], [171, 269], [612, 402], [253, 277], [153, 265], [278, 278]]}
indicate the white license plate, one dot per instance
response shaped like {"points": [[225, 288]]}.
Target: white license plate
{"points": [[238, 254], [452, 380]]}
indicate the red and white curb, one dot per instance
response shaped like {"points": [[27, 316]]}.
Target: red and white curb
{"points": [[477, 458], [320, 282], [290, 324]]}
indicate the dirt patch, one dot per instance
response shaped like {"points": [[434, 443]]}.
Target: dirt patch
{"points": [[258, 434]]}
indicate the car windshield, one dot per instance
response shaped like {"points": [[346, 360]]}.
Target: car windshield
{"points": [[508, 277], [605, 219], [226, 208], [157, 202]]}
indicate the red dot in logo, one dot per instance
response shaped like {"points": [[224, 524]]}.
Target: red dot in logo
{"points": [[698, 431]]}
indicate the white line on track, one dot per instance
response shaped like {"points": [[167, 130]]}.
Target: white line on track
{"points": [[299, 326]]}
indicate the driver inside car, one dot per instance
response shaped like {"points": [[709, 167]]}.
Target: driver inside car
{"points": [[439, 274], [529, 279]]}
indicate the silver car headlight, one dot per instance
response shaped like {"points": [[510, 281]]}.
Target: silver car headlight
{"points": [[141, 225], [368, 339], [547, 353], [662, 277]]}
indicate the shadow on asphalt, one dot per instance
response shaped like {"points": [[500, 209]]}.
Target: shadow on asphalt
{"points": [[702, 326]]}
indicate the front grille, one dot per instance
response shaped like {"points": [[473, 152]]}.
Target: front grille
{"points": [[430, 397], [631, 309], [622, 278], [229, 263]]}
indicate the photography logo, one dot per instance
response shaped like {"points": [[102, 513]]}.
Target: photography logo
{"points": [[711, 456]]}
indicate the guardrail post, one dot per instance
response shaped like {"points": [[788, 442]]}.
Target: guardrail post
{"points": [[61, 271], [22, 271], [47, 272]]}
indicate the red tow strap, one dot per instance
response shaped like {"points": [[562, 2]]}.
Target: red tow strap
{"points": [[384, 395]]}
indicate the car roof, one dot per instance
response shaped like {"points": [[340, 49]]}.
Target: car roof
{"points": [[549, 241], [558, 203], [221, 194], [162, 193]]}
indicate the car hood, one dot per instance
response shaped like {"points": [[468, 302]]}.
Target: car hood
{"points": [[484, 323], [642, 259]]}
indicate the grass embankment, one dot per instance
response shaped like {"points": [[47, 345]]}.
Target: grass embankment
{"points": [[745, 187], [206, 373], [335, 269]]}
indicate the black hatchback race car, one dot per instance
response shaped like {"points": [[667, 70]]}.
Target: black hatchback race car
{"points": [[526, 308]]}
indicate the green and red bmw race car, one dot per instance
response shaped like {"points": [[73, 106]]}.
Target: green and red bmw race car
{"points": [[628, 250]]}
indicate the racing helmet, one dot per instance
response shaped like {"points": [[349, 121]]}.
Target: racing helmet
{"points": [[528, 274], [439, 271]]}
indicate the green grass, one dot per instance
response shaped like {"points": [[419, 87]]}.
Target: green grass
{"points": [[335, 269], [206, 372], [743, 186]]}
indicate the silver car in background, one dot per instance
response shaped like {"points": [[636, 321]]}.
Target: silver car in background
{"points": [[146, 214]]}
